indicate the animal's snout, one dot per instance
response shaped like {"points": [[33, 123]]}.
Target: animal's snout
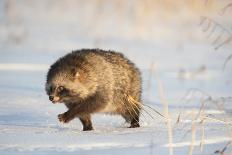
{"points": [[54, 99], [51, 98]]}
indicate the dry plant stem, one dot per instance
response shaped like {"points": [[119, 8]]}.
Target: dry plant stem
{"points": [[218, 38], [178, 119], [202, 114], [223, 10], [136, 112], [202, 135], [211, 21], [221, 152], [193, 133], [226, 61], [193, 91], [201, 110], [136, 103], [128, 109], [218, 120], [156, 111], [130, 112], [223, 43], [209, 26], [166, 112], [149, 82], [133, 108]]}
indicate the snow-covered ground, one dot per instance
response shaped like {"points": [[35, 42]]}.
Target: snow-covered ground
{"points": [[34, 34]]}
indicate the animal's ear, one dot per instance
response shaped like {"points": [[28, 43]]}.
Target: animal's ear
{"points": [[75, 72]]}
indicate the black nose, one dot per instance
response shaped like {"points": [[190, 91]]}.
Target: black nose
{"points": [[51, 98]]}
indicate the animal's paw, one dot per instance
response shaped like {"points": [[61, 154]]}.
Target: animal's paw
{"points": [[134, 125], [64, 118]]}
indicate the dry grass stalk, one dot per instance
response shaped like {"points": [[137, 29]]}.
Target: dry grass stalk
{"points": [[154, 110], [218, 120], [136, 107], [211, 27], [226, 61], [166, 112], [149, 81], [202, 114], [221, 152], [132, 101], [225, 9], [202, 136], [178, 119], [193, 135]]}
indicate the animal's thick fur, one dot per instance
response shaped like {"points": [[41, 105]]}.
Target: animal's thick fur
{"points": [[91, 81]]}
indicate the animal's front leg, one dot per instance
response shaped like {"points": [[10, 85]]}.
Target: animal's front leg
{"points": [[66, 117]]}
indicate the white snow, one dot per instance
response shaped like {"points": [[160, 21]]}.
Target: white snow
{"points": [[214, 140], [33, 34], [23, 67]]}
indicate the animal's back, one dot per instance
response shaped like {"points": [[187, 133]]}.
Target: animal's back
{"points": [[123, 80], [125, 76]]}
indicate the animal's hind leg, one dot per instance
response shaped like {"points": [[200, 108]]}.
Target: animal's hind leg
{"points": [[132, 118], [134, 111], [135, 121], [86, 122]]}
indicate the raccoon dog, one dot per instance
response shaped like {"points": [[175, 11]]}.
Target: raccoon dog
{"points": [[92, 81]]}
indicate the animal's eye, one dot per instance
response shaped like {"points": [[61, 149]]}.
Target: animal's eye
{"points": [[60, 88]]}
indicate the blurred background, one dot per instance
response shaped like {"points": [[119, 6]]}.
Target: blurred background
{"points": [[180, 37]]}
